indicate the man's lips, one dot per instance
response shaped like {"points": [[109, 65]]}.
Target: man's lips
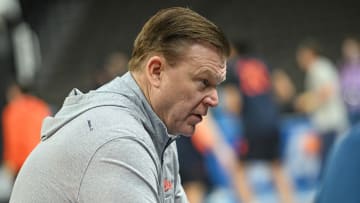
{"points": [[198, 117]]}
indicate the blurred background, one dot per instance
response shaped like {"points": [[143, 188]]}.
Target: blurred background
{"points": [[49, 47]]}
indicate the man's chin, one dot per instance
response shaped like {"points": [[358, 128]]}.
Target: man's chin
{"points": [[188, 132]]}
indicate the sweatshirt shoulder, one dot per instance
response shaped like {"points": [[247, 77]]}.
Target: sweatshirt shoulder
{"points": [[112, 121]]}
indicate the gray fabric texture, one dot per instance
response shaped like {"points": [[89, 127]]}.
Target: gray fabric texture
{"points": [[104, 146]]}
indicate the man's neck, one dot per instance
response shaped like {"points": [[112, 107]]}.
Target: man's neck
{"points": [[140, 79]]}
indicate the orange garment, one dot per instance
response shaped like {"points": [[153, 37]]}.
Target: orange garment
{"points": [[22, 119], [203, 138]]}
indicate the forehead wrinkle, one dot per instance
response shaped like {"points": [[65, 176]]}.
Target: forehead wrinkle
{"points": [[218, 74], [212, 62], [222, 74], [215, 68]]}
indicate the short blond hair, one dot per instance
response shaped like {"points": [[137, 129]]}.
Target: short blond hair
{"points": [[171, 30]]}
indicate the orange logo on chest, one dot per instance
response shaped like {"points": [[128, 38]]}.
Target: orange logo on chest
{"points": [[167, 185]]}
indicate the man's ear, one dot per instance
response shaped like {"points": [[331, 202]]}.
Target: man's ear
{"points": [[154, 68]]}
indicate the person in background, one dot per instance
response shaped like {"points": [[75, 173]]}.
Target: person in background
{"points": [[220, 160], [321, 99], [21, 119], [116, 143], [115, 65], [350, 77], [260, 117], [284, 91]]}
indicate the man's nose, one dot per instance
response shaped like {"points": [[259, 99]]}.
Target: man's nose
{"points": [[212, 99]]}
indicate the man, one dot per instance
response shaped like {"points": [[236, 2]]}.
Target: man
{"points": [[21, 120], [115, 144], [349, 77], [250, 79], [322, 99]]}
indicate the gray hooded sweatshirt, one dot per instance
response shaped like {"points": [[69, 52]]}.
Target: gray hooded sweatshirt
{"points": [[104, 146]]}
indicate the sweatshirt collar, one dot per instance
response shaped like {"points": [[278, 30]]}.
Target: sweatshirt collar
{"points": [[150, 120]]}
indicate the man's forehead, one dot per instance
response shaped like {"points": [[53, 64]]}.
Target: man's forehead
{"points": [[217, 72]]}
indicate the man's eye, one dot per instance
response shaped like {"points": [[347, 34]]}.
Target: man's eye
{"points": [[206, 82]]}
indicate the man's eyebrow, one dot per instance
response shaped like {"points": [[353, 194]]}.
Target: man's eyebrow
{"points": [[206, 72]]}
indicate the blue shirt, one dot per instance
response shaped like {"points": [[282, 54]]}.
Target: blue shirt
{"points": [[341, 182]]}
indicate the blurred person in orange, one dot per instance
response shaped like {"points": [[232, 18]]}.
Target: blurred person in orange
{"points": [[21, 118], [322, 99], [208, 139], [350, 77], [250, 78]]}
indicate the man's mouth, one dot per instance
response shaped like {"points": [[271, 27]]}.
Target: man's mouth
{"points": [[199, 117]]}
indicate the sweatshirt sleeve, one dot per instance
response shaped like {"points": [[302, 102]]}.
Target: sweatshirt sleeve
{"points": [[121, 170]]}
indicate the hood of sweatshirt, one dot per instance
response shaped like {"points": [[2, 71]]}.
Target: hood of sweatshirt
{"points": [[122, 92]]}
